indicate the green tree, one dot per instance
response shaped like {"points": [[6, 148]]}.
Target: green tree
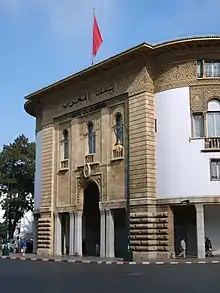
{"points": [[17, 167], [3, 230]]}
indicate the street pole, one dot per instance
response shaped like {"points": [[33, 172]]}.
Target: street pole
{"points": [[129, 254]]}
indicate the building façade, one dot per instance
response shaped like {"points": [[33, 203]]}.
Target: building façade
{"points": [[168, 97]]}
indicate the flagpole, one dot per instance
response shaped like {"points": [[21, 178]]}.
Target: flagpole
{"points": [[92, 34]]}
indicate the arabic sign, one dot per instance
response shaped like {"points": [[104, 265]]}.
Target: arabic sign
{"points": [[87, 96]]}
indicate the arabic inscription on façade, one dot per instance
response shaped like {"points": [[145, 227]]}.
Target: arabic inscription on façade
{"points": [[87, 96]]}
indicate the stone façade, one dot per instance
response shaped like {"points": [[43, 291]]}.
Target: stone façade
{"points": [[128, 89]]}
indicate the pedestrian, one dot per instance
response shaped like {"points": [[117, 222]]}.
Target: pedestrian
{"points": [[182, 248], [14, 246], [1, 245], [97, 250], [24, 246], [208, 247]]}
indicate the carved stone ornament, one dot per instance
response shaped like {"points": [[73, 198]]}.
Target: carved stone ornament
{"points": [[81, 183], [201, 95], [87, 170]]}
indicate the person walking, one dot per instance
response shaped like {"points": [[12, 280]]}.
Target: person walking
{"points": [[1, 245], [208, 247], [24, 246], [182, 248]]}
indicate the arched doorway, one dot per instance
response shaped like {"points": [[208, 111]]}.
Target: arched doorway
{"points": [[91, 219]]}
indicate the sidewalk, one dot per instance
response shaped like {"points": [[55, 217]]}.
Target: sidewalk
{"points": [[100, 260]]}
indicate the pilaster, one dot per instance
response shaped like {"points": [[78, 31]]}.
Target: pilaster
{"points": [[200, 230]]}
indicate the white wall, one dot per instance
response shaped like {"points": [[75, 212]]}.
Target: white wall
{"points": [[212, 226], [38, 172], [182, 169]]}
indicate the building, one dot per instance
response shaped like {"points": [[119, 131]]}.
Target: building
{"points": [[168, 96]]}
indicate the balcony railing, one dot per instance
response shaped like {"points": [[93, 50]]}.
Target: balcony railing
{"points": [[212, 143]]}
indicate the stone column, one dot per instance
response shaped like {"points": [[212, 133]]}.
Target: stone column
{"points": [[171, 232], [110, 234], [78, 233], [58, 235], [71, 233], [102, 234], [200, 230]]}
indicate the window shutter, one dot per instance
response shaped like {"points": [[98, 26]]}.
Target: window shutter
{"points": [[199, 68], [198, 125], [214, 170], [211, 125]]}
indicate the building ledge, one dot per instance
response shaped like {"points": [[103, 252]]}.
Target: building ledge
{"points": [[189, 200], [210, 151]]}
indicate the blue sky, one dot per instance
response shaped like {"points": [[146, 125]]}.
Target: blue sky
{"points": [[43, 41]]}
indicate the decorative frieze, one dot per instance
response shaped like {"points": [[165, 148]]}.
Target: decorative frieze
{"points": [[201, 95]]}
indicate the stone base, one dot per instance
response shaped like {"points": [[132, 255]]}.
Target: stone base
{"points": [[43, 252], [146, 256]]}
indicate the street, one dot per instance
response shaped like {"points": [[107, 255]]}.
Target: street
{"points": [[20, 276]]}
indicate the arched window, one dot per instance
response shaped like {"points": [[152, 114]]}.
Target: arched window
{"points": [[91, 138], [213, 119], [65, 144], [119, 126]]}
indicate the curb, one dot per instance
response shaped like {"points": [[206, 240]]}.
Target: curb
{"points": [[107, 262]]}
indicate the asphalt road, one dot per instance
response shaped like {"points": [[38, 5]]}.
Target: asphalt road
{"points": [[47, 277]]}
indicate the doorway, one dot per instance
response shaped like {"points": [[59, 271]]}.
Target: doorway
{"points": [[91, 220], [185, 227]]}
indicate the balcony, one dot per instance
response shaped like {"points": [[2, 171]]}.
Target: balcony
{"points": [[89, 158], [212, 144]]}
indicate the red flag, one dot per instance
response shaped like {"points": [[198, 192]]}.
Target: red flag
{"points": [[97, 38]]}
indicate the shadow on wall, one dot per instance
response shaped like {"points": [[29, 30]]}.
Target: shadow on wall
{"points": [[212, 225]]}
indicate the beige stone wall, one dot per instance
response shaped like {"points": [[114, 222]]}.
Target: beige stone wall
{"points": [[142, 145], [45, 226], [47, 166]]}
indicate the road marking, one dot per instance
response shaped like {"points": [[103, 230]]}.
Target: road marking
{"points": [[86, 261], [215, 261]]}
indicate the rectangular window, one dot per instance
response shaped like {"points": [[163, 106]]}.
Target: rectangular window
{"points": [[198, 125], [208, 68], [200, 68], [212, 69], [215, 169], [213, 123]]}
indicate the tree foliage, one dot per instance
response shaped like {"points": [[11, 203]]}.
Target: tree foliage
{"points": [[3, 230], [17, 167]]}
